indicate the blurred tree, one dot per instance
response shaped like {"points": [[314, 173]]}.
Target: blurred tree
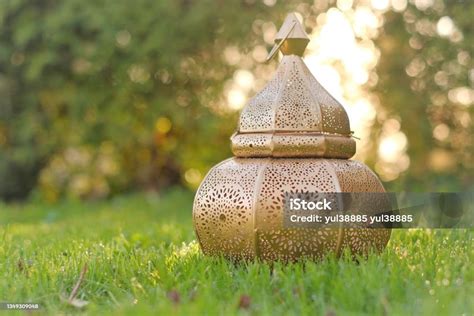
{"points": [[426, 84], [100, 96]]}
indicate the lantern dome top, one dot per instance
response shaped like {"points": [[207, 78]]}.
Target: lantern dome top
{"points": [[293, 116]]}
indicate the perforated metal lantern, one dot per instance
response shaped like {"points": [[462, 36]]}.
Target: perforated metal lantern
{"points": [[293, 136]]}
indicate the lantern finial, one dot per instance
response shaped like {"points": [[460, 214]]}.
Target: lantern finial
{"points": [[291, 39]]}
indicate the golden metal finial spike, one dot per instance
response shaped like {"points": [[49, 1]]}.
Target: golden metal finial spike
{"points": [[291, 39]]}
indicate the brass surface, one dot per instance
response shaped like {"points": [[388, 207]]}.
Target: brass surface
{"points": [[291, 28], [238, 209], [283, 118], [291, 39], [286, 141]]}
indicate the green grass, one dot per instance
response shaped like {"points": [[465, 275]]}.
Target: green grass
{"points": [[142, 258]]}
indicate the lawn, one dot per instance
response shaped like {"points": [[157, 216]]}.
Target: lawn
{"points": [[142, 257]]}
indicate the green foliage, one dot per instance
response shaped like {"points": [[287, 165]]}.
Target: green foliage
{"points": [[77, 76], [142, 259], [100, 97]]}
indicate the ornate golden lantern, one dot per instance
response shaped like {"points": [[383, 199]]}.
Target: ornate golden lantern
{"points": [[292, 136]]}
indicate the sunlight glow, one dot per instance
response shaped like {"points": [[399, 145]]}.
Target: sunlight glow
{"points": [[236, 99], [380, 4], [441, 132], [244, 79], [344, 5], [193, 176], [423, 4], [342, 56], [392, 147], [445, 26], [399, 5], [461, 95]]}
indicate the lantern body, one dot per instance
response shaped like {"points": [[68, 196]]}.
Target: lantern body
{"points": [[293, 136], [238, 209]]}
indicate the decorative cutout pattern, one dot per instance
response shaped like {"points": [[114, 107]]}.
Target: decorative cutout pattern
{"points": [[334, 117], [292, 145], [293, 103], [238, 210], [222, 212], [295, 107]]}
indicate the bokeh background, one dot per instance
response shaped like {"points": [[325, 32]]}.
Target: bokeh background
{"points": [[102, 97]]}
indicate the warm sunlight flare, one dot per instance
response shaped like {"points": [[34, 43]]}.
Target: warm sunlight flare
{"points": [[342, 56]]}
